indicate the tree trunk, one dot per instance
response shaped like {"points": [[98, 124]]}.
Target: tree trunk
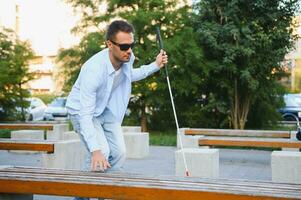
{"points": [[240, 106], [143, 122], [23, 117]]}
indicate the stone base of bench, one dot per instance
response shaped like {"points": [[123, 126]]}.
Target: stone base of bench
{"points": [[68, 154], [188, 141], [27, 135], [200, 162], [57, 132], [131, 129], [286, 166], [70, 135], [16, 196], [137, 144]]}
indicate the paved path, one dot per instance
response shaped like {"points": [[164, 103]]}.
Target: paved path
{"points": [[234, 164]]}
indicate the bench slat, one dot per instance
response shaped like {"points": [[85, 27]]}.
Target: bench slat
{"points": [[8, 144], [240, 133], [124, 186], [24, 126], [249, 142]]}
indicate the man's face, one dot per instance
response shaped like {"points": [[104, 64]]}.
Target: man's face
{"points": [[114, 46]]}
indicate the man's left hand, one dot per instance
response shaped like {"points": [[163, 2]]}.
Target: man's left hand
{"points": [[161, 59]]}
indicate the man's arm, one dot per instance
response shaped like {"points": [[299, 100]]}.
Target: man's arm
{"points": [[88, 87], [146, 70]]}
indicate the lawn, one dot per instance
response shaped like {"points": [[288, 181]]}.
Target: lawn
{"points": [[4, 133], [163, 138]]}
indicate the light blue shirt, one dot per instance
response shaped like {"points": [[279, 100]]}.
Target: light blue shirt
{"points": [[92, 92]]}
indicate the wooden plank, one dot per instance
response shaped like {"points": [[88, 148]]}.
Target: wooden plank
{"points": [[124, 186], [8, 144], [240, 133], [249, 142], [25, 126]]}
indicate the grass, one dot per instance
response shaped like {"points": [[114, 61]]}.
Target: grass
{"points": [[163, 138], [4, 133]]}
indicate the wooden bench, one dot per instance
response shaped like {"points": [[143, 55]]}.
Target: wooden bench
{"points": [[26, 126], [238, 133], [52, 131], [8, 144], [60, 154], [20, 180], [249, 142]]}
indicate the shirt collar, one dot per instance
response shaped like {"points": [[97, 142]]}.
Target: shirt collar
{"points": [[109, 64], [126, 67]]}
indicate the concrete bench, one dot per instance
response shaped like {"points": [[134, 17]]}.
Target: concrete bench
{"points": [[202, 163], [286, 167], [18, 182], [63, 154], [131, 129], [52, 131], [249, 142], [136, 144]]}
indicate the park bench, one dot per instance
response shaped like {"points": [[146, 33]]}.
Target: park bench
{"points": [[249, 142], [22, 182], [238, 133], [52, 131], [63, 154], [27, 145], [26, 126]]}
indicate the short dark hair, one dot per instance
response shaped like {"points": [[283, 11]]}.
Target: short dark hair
{"points": [[116, 26]]}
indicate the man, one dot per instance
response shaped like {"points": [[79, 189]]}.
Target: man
{"points": [[99, 98]]}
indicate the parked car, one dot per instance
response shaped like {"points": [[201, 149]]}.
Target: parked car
{"points": [[35, 111], [56, 109], [292, 109]]}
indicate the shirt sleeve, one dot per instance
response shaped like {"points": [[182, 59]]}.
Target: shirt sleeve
{"points": [[89, 84], [143, 71]]}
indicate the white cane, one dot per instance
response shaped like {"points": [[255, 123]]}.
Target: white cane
{"points": [[159, 39]]}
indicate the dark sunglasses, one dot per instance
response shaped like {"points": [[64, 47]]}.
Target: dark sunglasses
{"points": [[124, 47]]}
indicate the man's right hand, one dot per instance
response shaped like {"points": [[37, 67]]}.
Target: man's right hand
{"points": [[99, 162]]}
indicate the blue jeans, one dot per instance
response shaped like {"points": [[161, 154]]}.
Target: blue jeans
{"points": [[110, 139]]}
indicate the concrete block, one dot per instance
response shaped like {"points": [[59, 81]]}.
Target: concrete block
{"points": [[290, 149], [293, 135], [16, 196], [188, 141], [286, 167], [57, 132], [68, 154], [131, 129], [28, 134], [70, 135], [200, 162], [136, 144]]}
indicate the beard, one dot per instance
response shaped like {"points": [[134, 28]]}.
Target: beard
{"points": [[122, 59]]}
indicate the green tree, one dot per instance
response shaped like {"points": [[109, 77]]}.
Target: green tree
{"points": [[151, 101], [14, 75], [247, 40]]}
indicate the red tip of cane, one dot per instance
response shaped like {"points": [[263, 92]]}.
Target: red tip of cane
{"points": [[187, 173]]}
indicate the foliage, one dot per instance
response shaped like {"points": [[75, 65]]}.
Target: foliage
{"points": [[247, 40], [14, 75]]}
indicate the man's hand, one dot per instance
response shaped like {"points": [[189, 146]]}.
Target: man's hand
{"points": [[161, 59], [99, 162]]}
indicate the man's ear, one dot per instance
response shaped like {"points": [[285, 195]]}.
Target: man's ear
{"points": [[109, 44]]}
